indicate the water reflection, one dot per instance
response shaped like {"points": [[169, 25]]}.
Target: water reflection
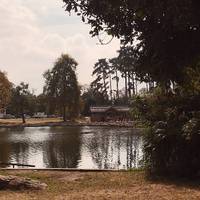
{"points": [[72, 147], [4, 148], [62, 150], [114, 149]]}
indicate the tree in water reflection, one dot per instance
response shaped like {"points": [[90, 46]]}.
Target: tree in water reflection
{"points": [[15, 151], [62, 152], [114, 151]]}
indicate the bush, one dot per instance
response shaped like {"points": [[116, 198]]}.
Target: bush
{"points": [[172, 139]]}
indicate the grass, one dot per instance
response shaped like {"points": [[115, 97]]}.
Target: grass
{"points": [[102, 185]]}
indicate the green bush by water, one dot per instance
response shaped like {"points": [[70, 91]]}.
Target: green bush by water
{"points": [[172, 139]]}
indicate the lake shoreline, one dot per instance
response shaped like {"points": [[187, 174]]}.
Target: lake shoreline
{"points": [[55, 124]]}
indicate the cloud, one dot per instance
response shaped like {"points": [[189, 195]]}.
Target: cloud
{"points": [[31, 40]]}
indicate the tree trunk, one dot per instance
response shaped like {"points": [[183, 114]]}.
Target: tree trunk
{"points": [[117, 84], [136, 87], [104, 83], [129, 85], [64, 113], [147, 87], [111, 97], [133, 84], [126, 94], [23, 117]]}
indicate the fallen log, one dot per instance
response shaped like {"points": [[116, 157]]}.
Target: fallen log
{"points": [[19, 183]]}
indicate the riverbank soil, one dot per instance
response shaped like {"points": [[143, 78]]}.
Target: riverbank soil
{"points": [[101, 186]]}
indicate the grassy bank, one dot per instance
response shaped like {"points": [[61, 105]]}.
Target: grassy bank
{"points": [[33, 122], [102, 185]]}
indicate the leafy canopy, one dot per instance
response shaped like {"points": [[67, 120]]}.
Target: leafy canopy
{"points": [[167, 31]]}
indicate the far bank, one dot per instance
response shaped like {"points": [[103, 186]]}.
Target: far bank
{"points": [[52, 122]]}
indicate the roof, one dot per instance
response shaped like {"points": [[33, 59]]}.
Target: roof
{"points": [[103, 109]]}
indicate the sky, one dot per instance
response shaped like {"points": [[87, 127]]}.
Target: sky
{"points": [[34, 33]]}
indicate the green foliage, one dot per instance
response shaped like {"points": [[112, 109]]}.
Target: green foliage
{"points": [[127, 62], [167, 32], [5, 90], [105, 71], [92, 97], [22, 101], [192, 80], [61, 86], [171, 143], [166, 51], [42, 103], [100, 84]]}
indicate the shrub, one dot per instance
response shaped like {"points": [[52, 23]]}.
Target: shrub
{"points": [[172, 139]]}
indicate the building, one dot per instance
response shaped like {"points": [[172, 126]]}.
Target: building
{"points": [[110, 113]]}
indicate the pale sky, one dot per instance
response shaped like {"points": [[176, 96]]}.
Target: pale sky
{"points": [[35, 32]]}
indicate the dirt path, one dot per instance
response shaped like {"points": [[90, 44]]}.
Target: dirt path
{"points": [[101, 186]]}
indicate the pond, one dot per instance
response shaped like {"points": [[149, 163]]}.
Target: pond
{"points": [[72, 147]]}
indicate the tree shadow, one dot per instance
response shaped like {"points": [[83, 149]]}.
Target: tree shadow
{"points": [[180, 182]]}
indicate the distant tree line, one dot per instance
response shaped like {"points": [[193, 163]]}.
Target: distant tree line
{"points": [[116, 80], [60, 97]]}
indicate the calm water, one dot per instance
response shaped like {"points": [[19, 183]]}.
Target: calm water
{"points": [[72, 147]]}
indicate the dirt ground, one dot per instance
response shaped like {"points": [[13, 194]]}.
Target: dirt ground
{"points": [[102, 186], [30, 121]]}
